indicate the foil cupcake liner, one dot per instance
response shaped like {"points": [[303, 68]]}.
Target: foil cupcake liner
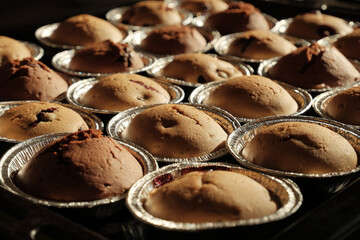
{"points": [[320, 102], [221, 46], [114, 16], [43, 35], [22, 152], [137, 37], [282, 25], [119, 122], [238, 139], [155, 71], [61, 61], [200, 20], [268, 64], [77, 90], [37, 52], [91, 120], [285, 190], [302, 97]]}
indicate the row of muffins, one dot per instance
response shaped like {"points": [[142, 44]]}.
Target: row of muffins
{"points": [[272, 207]]}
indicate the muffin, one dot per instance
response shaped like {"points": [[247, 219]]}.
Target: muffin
{"points": [[210, 197], [315, 25], [29, 79], [81, 166], [11, 49], [349, 45], [314, 67], [38, 118], [174, 39], [199, 68], [175, 131], [150, 13], [345, 106], [204, 6], [106, 57], [239, 17], [83, 29], [122, 91], [301, 147], [252, 97], [260, 44]]}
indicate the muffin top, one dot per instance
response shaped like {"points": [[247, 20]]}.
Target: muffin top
{"points": [[81, 166], [315, 25], [106, 57], [150, 13], [260, 44], [204, 6], [315, 67], [175, 131], [174, 39], [239, 17], [252, 97], [122, 91], [11, 49], [210, 197], [345, 106], [300, 147], [29, 79], [349, 45], [199, 68], [83, 29], [38, 118]]}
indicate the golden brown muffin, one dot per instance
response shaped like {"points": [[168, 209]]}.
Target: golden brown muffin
{"points": [[38, 118], [252, 97], [211, 196], [29, 79], [174, 39], [260, 44], [345, 106], [106, 57], [11, 49], [150, 13], [119, 92], [199, 68], [239, 17], [84, 29], [204, 6], [301, 147], [175, 131], [349, 45], [314, 67], [81, 166], [315, 25]]}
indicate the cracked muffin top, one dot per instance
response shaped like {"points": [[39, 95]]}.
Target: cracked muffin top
{"points": [[81, 166], [122, 91], [210, 197], [106, 57], [199, 68], [315, 67], [301, 147], [38, 118], [175, 131], [29, 79], [204, 6]]}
